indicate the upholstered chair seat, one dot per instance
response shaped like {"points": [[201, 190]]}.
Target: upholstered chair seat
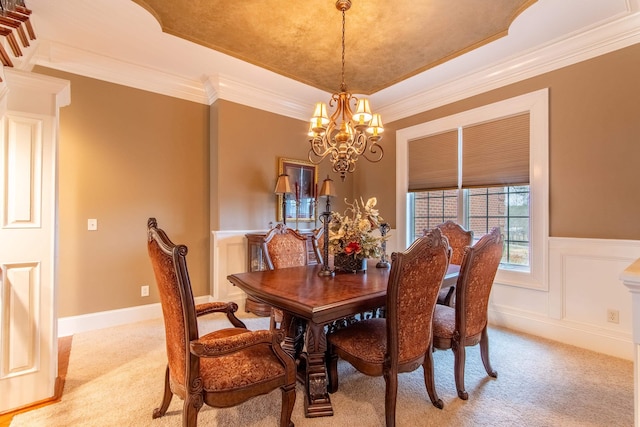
{"points": [[364, 344], [252, 365]]}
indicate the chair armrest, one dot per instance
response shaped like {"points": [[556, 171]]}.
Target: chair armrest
{"points": [[213, 347], [221, 307]]}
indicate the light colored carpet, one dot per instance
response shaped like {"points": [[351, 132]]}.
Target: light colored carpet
{"points": [[115, 378]]}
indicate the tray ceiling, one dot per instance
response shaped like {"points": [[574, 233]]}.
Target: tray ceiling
{"points": [[386, 42]]}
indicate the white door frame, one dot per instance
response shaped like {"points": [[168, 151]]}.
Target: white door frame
{"points": [[29, 112]]}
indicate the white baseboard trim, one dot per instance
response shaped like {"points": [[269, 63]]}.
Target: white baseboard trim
{"points": [[610, 342], [106, 319]]}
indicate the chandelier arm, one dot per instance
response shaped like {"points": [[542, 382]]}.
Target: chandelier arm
{"points": [[321, 151], [373, 149]]}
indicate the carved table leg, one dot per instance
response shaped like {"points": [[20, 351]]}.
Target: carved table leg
{"points": [[294, 334], [317, 402]]}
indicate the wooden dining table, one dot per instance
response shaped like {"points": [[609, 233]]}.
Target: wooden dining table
{"points": [[310, 302]]}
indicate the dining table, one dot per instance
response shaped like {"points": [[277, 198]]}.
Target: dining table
{"points": [[310, 303]]}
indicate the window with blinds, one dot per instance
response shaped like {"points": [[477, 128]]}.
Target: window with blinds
{"points": [[482, 168], [494, 153], [477, 175]]}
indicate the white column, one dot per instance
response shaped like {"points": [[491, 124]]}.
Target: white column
{"points": [[631, 279]]}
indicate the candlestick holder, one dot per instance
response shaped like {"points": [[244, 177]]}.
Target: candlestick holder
{"points": [[384, 263], [327, 191], [315, 213]]}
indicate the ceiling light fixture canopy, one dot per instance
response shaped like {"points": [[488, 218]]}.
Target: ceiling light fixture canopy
{"points": [[345, 136]]}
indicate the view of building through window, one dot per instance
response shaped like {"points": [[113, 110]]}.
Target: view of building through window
{"points": [[482, 209]]}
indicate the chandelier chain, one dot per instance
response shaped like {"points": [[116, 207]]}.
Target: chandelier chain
{"points": [[343, 86]]}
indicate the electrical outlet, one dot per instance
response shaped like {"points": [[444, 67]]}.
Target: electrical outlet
{"points": [[613, 316], [144, 291]]}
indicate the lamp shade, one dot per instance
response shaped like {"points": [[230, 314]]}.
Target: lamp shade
{"points": [[320, 119], [363, 112], [375, 126], [328, 188], [283, 186]]}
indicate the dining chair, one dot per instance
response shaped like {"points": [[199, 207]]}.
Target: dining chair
{"points": [[223, 368], [401, 342], [283, 247], [466, 324], [459, 238]]}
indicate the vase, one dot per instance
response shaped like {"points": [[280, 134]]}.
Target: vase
{"points": [[349, 263]]}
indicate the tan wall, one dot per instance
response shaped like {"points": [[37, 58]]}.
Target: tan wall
{"points": [[126, 155], [594, 145], [250, 142], [117, 145]]}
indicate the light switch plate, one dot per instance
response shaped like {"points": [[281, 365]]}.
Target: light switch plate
{"points": [[92, 224]]}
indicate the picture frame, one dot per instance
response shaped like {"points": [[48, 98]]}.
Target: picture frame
{"points": [[302, 204]]}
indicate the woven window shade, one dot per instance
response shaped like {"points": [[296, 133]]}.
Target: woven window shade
{"points": [[433, 162], [496, 153]]}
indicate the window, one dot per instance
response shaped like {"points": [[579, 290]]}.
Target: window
{"points": [[483, 209], [507, 208], [467, 168]]}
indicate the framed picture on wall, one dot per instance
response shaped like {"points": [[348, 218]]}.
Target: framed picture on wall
{"points": [[303, 177]]}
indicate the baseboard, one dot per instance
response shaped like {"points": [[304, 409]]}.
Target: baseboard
{"points": [[106, 319], [610, 342]]}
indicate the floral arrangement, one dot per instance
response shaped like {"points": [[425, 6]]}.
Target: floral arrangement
{"points": [[352, 233]]}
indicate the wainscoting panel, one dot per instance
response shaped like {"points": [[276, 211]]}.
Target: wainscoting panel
{"points": [[229, 256], [584, 283]]}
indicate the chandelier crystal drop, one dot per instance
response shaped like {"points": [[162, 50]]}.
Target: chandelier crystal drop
{"points": [[345, 136]]}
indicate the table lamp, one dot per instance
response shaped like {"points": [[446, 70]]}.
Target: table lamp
{"points": [[283, 186], [328, 190]]}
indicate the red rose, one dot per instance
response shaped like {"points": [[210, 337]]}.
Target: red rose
{"points": [[353, 247]]}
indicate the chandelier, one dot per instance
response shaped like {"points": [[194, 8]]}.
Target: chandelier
{"points": [[345, 136]]}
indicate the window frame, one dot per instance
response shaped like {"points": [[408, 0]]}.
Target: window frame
{"points": [[537, 105]]}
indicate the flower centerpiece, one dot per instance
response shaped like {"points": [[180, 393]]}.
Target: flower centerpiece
{"points": [[351, 237]]}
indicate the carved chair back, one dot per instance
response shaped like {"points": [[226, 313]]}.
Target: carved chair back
{"points": [[176, 298], [458, 238], [284, 247], [473, 288], [414, 283]]}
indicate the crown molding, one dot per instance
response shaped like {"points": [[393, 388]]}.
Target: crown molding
{"points": [[233, 89], [577, 48], [290, 98], [89, 64], [204, 91]]}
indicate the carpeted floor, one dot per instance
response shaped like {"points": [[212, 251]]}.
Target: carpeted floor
{"points": [[115, 378]]}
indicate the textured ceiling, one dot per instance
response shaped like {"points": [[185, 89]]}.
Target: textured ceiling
{"points": [[386, 42]]}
